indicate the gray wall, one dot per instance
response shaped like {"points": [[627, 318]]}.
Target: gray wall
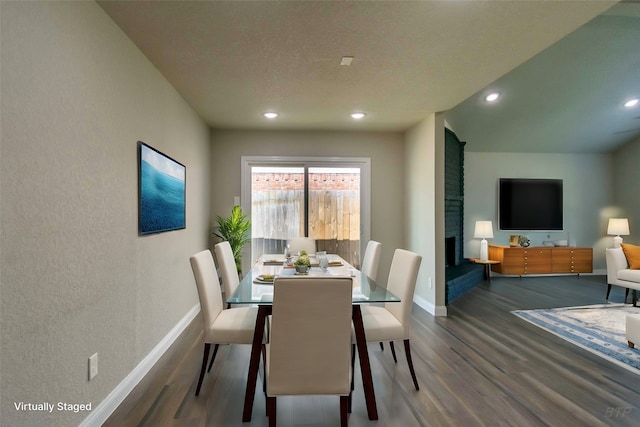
{"points": [[627, 187], [76, 278], [386, 150], [588, 182]]}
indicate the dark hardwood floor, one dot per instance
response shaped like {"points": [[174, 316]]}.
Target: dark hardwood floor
{"points": [[479, 366]]}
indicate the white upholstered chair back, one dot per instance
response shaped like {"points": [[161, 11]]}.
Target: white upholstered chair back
{"points": [[298, 244], [309, 350], [371, 259], [228, 270], [204, 271], [402, 282]]}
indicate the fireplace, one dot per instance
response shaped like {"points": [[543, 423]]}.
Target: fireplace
{"points": [[450, 251], [454, 199]]}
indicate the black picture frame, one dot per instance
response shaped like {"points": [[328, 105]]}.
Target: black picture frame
{"points": [[162, 187]]}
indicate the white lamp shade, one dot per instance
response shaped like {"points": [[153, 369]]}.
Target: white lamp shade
{"points": [[618, 227], [484, 230]]}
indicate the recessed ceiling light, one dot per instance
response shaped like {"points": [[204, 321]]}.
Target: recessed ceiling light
{"points": [[492, 97], [357, 116], [631, 103], [270, 115]]}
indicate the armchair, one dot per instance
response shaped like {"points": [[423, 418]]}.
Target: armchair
{"points": [[619, 273]]}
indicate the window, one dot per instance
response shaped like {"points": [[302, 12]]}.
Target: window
{"points": [[327, 200]]}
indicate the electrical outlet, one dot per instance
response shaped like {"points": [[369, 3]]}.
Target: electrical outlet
{"points": [[429, 282], [236, 201], [93, 366]]}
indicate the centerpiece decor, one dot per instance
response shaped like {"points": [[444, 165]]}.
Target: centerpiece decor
{"points": [[303, 263]]}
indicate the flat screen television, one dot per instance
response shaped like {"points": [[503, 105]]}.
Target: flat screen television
{"points": [[530, 204]]}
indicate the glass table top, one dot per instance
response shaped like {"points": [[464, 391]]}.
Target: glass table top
{"points": [[253, 290]]}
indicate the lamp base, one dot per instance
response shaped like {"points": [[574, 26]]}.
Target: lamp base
{"points": [[617, 241], [484, 250]]}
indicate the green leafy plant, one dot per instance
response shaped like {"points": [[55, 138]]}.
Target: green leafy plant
{"points": [[302, 264], [303, 260], [236, 229]]}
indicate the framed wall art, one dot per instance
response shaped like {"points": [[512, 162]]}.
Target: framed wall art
{"points": [[161, 191]]}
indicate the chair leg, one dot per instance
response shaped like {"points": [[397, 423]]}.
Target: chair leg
{"points": [[606, 299], [393, 351], [215, 351], [407, 350], [205, 357], [381, 346], [271, 410], [634, 297], [353, 364], [264, 367], [344, 411], [626, 295]]}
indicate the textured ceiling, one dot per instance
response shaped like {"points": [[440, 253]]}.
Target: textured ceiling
{"points": [[233, 60]]}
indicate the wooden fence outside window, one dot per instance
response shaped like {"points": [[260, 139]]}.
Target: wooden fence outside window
{"points": [[277, 213]]}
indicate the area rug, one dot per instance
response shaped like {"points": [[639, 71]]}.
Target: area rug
{"points": [[599, 329]]}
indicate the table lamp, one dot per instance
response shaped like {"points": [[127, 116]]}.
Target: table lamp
{"points": [[618, 227], [484, 230]]}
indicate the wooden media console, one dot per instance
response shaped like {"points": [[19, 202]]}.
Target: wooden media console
{"points": [[541, 260]]}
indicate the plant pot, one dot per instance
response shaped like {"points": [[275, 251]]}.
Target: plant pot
{"points": [[302, 269]]}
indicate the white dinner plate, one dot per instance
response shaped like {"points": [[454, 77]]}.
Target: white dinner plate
{"points": [[260, 279]]}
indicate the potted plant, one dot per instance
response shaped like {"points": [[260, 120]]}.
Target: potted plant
{"points": [[303, 263], [236, 230]]}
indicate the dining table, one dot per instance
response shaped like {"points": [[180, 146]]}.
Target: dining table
{"points": [[256, 288]]}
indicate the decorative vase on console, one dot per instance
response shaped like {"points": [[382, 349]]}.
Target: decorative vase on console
{"points": [[524, 241]]}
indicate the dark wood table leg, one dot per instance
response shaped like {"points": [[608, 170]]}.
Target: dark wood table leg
{"points": [[254, 363], [365, 366]]}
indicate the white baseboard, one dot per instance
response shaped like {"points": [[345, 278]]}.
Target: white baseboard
{"points": [[104, 410], [429, 307]]}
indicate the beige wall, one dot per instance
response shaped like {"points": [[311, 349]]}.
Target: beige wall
{"points": [[424, 160], [76, 278], [386, 151]]}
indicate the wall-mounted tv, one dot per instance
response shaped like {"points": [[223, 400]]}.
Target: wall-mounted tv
{"points": [[162, 188], [530, 204]]}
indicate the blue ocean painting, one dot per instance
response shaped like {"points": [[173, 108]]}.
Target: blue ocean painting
{"points": [[162, 192]]}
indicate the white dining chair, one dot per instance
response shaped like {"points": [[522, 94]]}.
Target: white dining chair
{"points": [[371, 259], [298, 244], [370, 262], [228, 270], [393, 320], [232, 326], [309, 351]]}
